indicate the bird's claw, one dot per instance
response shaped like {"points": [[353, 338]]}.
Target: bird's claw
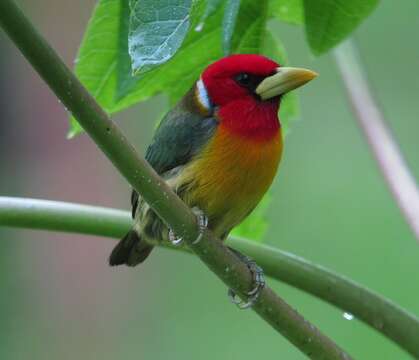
{"points": [[253, 295], [174, 239], [202, 223]]}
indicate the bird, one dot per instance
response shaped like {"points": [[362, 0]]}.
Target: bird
{"points": [[219, 149]]}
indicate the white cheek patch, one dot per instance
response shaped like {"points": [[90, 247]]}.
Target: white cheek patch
{"points": [[202, 95]]}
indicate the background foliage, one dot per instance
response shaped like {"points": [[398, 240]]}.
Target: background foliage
{"points": [[329, 203]]}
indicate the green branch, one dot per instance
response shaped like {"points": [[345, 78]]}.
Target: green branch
{"points": [[376, 311], [154, 190]]}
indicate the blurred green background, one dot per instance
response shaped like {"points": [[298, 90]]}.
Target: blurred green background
{"points": [[60, 300]]}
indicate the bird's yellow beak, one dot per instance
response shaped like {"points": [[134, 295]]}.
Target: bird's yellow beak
{"points": [[285, 79]]}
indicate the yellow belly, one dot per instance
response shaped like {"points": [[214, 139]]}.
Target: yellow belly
{"points": [[230, 177]]}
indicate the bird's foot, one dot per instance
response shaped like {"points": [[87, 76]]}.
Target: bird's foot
{"points": [[258, 280], [202, 223], [202, 220], [174, 239]]}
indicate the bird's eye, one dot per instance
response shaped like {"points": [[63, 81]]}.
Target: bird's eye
{"points": [[243, 79]]}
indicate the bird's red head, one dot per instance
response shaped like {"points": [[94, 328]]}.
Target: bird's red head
{"points": [[246, 91], [236, 77]]}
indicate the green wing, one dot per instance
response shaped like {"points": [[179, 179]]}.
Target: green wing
{"points": [[179, 137], [181, 134]]}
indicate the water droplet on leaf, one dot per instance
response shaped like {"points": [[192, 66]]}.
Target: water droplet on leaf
{"points": [[199, 27], [348, 316]]}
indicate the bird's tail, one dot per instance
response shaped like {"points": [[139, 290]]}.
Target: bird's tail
{"points": [[131, 250]]}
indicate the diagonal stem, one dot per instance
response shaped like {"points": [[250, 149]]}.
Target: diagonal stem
{"points": [[154, 190], [378, 312], [390, 160]]}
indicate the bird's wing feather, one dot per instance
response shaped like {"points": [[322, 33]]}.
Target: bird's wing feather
{"points": [[178, 138], [180, 135]]}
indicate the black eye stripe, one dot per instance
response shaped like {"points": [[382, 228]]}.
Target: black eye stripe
{"points": [[248, 81]]}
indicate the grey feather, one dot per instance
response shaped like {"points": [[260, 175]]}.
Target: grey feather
{"points": [[181, 135]]}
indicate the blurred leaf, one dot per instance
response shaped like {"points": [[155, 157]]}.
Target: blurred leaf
{"points": [[289, 112], [98, 54], [255, 226], [210, 8], [274, 49], [290, 11], [231, 12], [251, 27], [156, 31], [328, 22]]}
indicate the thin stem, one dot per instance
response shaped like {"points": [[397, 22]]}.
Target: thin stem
{"points": [[378, 312], [384, 147], [62, 216], [154, 190]]}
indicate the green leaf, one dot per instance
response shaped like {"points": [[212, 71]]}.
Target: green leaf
{"points": [[274, 49], [175, 77], [289, 112], [251, 27], [229, 22], [210, 8], [291, 11], [328, 22], [156, 31], [98, 56], [126, 80], [103, 64]]}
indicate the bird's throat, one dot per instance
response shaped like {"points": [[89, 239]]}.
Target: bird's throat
{"points": [[251, 119]]}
